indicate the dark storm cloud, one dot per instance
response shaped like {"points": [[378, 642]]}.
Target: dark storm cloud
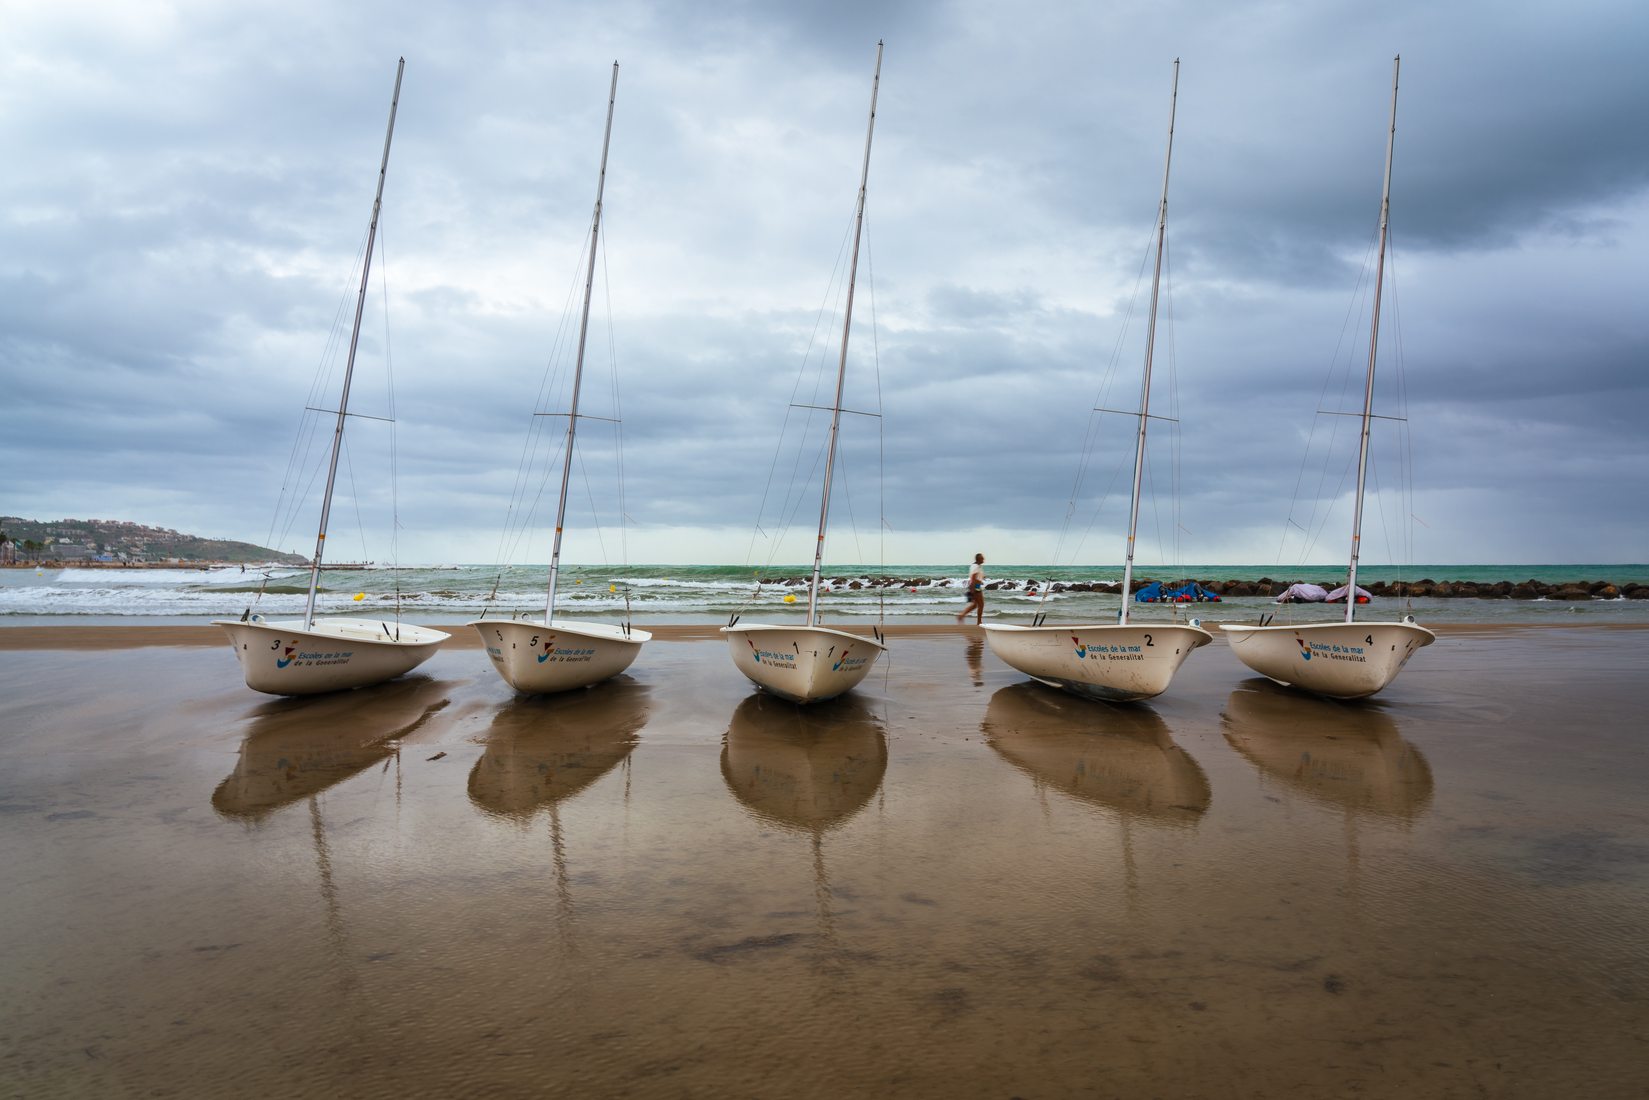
{"points": [[197, 179]]}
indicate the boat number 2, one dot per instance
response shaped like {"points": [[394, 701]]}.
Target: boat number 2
{"points": [[1148, 640]]}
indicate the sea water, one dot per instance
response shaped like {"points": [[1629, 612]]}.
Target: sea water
{"points": [[713, 593]]}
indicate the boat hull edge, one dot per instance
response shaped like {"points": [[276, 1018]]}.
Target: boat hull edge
{"points": [[804, 664], [286, 658], [1113, 663], [1340, 660], [535, 659]]}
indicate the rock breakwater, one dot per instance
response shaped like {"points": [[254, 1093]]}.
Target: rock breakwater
{"points": [[1574, 591]]}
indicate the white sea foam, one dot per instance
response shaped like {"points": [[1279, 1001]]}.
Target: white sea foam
{"points": [[456, 593], [132, 578]]}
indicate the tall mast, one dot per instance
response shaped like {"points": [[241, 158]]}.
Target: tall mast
{"points": [[578, 369], [1373, 342], [349, 366], [1150, 346], [841, 367]]}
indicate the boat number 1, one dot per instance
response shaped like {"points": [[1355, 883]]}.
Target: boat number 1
{"points": [[1148, 640]]}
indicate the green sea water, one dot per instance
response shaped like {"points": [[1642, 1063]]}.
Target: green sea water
{"points": [[712, 593]]}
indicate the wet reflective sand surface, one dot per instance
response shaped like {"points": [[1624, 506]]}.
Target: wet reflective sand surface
{"points": [[952, 882]]}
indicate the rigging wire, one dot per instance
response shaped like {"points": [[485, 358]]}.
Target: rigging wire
{"points": [[1405, 438], [1349, 323], [795, 494], [589, 494], [1401, 552], [1093, 434], [518, 515], [389, 382], [304, 460], [845, 480], [881, 450], [289, 502], [1175, 436], [618, 409]]}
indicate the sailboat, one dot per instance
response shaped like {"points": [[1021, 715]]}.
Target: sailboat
{"points": [[808, 663], [1349, 659], [539, 656], [309, 655], [1121, 661]]}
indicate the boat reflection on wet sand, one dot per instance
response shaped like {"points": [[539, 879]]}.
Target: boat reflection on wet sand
{"points": [[1343, 755], [1120, 758], [296, 748], [543, 749], [807, 769]]}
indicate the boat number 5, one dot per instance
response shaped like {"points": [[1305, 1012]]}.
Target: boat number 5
{"points": [[534, 640]]}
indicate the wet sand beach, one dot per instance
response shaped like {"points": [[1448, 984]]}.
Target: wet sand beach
{"points": [[952, 882]]}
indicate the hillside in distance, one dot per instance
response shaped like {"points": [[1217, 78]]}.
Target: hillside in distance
{"points": [[108, 540]]}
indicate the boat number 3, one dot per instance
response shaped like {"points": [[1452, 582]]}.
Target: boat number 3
{"points": [[276, 644], [1148, 640]]}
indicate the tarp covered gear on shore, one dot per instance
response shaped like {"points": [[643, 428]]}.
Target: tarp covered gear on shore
{"points": [[1303, 593], [1339, 594]]}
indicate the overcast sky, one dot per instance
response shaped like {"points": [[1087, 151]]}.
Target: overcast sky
{"points": [[184, 188]]}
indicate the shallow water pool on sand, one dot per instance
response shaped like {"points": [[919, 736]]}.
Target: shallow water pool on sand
{"points": [[952, 882]]}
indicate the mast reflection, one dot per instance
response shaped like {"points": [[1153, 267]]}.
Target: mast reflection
{"points": [[295, 749], [1121, 758], [807, 770]]}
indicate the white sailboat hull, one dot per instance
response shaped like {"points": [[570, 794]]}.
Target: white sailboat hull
{"points": [[539, 660], [804, 664], [1113, 662], [285, 658], [1340, 660]]}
